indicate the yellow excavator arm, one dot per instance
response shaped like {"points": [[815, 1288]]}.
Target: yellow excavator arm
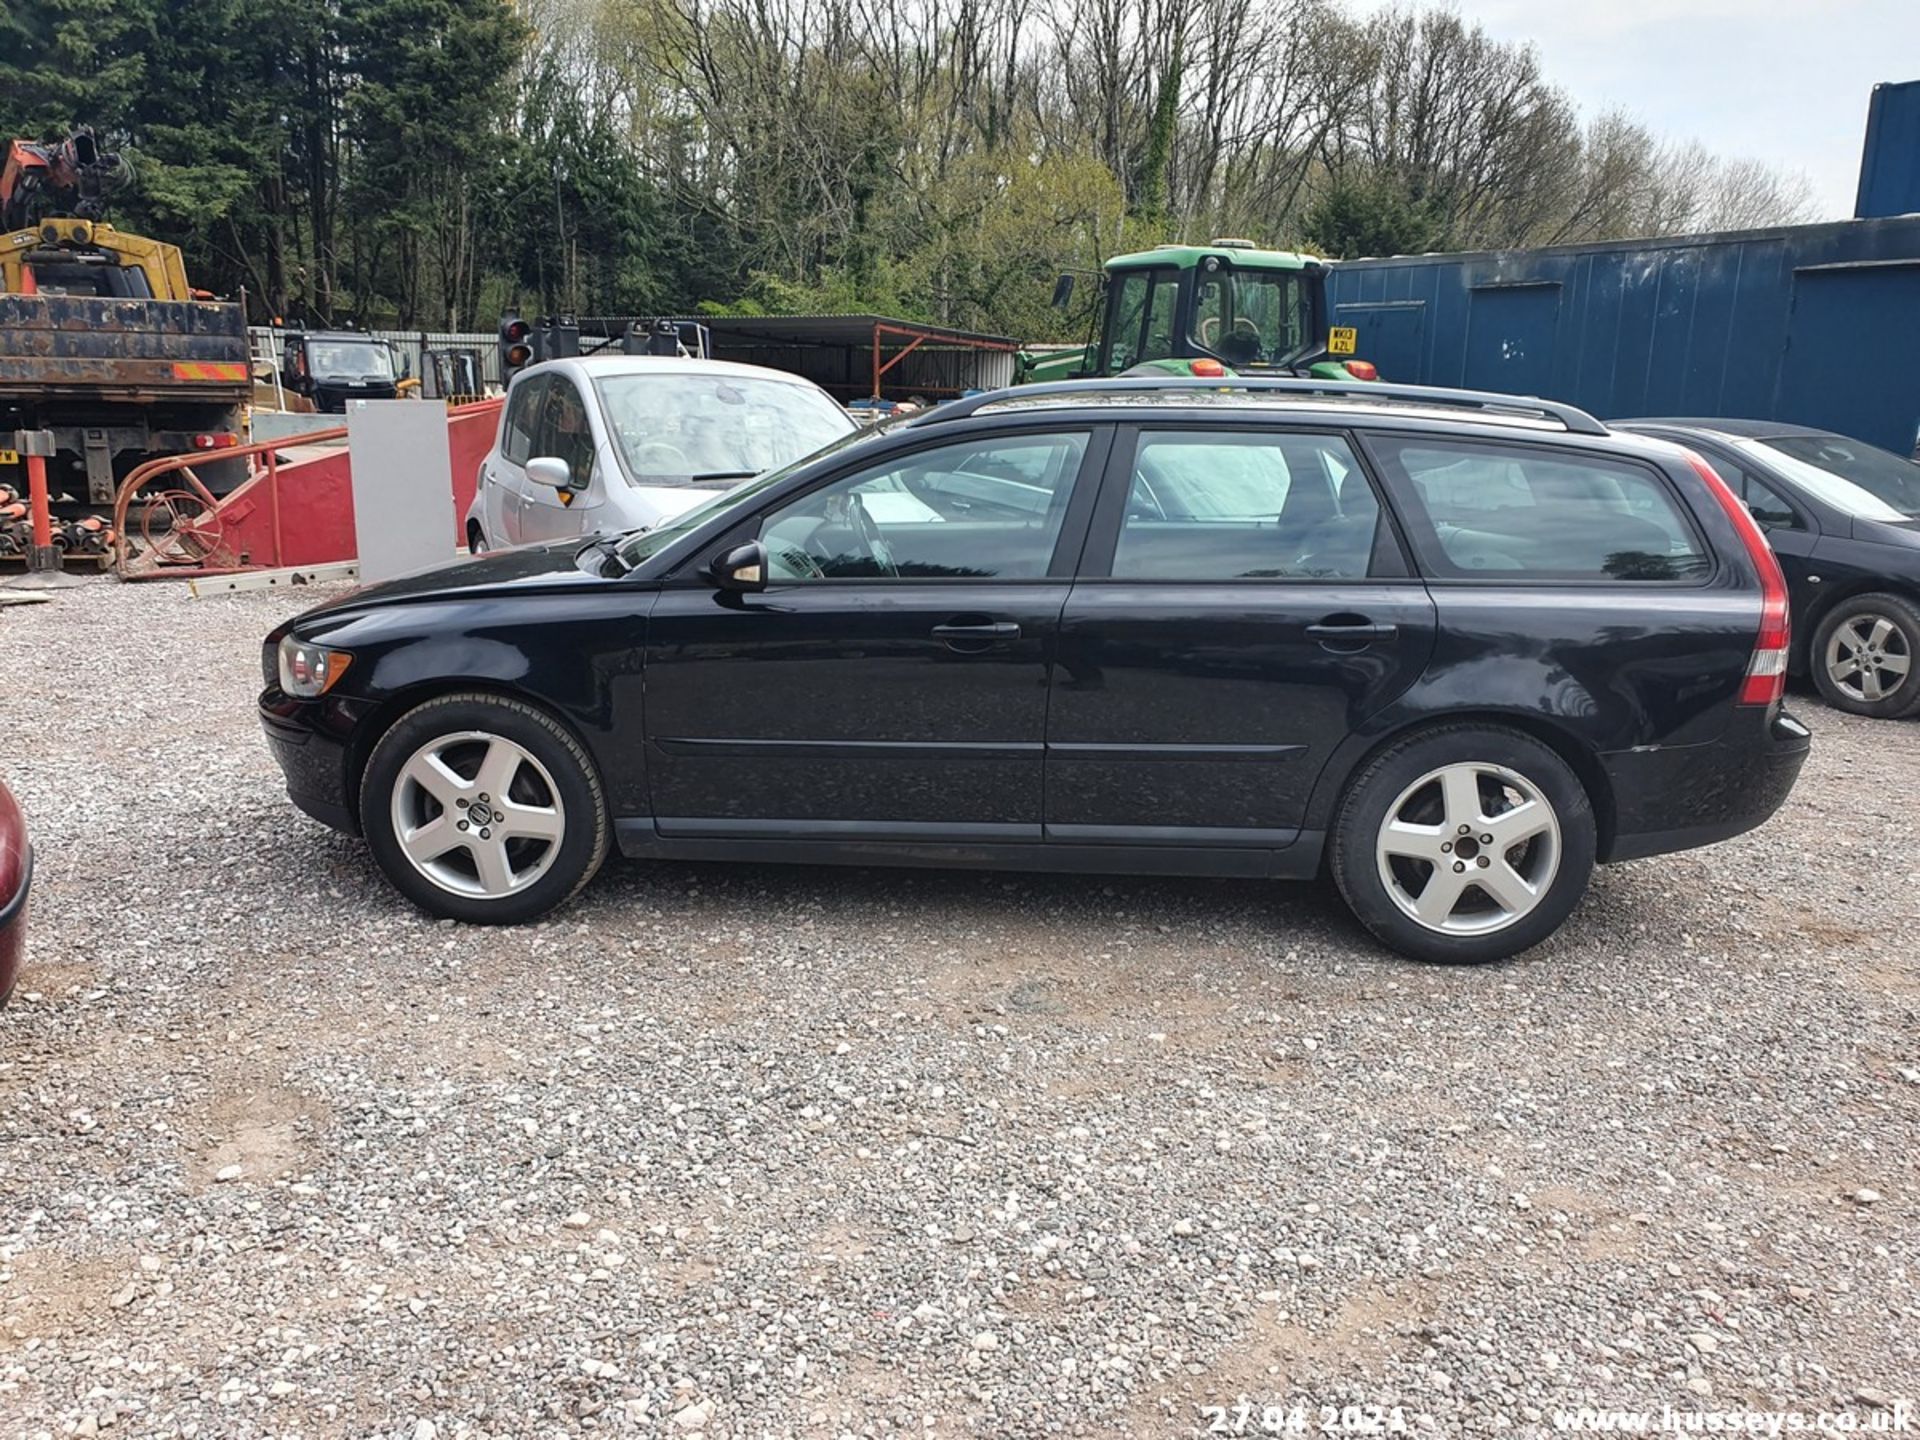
{"points": [[68, 241]]}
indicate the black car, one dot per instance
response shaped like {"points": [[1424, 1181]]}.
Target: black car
{"points": [[1844, 518], [1451, 648]]}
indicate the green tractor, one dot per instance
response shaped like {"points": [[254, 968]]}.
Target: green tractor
{"points": [[1221, 309]]}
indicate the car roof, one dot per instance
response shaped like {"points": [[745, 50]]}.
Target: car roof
{"points": [[592, 367], [1743, 429]]}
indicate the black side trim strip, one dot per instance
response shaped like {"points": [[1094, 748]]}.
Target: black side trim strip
{"points": [[848, 749], [1172, 835], [1176, 752]]}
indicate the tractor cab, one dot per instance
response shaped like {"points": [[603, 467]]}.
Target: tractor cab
{"points": [[1226, 308], [333, 367]]}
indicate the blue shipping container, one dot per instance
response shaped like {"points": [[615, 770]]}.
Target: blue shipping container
{"points": [[1817, 324]]}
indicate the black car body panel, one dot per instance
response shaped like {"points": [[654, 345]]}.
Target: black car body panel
{"points": [[1106, 725]]}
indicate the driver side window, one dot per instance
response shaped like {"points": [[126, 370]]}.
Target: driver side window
{"points": [[977, 510], [565, 431]]}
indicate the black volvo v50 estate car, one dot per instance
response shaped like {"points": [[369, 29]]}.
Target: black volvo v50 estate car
{"points": [[1452, 648]]}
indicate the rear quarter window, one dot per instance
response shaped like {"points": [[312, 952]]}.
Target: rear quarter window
{"points": [[1488, 511]]}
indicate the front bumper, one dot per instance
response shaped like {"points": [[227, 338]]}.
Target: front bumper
{"points": [[307, 740], [13, 930], [1691, 795]]}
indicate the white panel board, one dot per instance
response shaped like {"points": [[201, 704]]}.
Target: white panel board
{"points": [[402, 486]]}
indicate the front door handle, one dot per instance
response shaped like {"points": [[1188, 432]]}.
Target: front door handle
{"points": [[976, 634]]}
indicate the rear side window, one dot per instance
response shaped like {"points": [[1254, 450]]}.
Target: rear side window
{"points": [[1497, 511], [1215, 505], [523, 414]]}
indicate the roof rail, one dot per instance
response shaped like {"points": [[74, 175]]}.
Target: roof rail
{"points": [[1576, 421]]}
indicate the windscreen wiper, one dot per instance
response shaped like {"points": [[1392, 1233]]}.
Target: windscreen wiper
{"points": [[723, 475], [607, 547]]}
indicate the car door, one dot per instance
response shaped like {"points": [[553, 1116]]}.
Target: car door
{"points": [[891, 681], [1243, 605], [566, 432], [503, 473]]}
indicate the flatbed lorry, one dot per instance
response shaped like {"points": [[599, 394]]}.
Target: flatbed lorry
{"points": [[119, 368]]}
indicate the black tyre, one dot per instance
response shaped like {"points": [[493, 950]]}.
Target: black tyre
{"points": [[484, 809], [1464, 844], [1865, 656]]}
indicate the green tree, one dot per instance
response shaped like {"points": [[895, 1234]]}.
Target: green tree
{"points": [[1372, 214], [72, 62]]}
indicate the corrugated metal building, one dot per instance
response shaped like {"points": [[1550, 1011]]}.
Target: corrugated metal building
{"points": [[1818, 324]]}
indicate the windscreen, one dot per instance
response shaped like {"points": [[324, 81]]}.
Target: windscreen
{"points": [[1863, 480], [349, 360], [644, 544], [678, 429], [1250, 317]]}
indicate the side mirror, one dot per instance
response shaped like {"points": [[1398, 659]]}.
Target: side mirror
{"points": [[1062, 292], [742, 569], [551, 471]]}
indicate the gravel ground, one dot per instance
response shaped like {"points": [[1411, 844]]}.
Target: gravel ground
{"points": [[754, 1151]]}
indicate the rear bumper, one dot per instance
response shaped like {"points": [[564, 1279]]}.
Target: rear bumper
{"points": [[1693, 795], [13, 929], [313, 760]]}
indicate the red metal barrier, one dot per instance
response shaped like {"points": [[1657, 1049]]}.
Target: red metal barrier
{"points": [[285, 515]]}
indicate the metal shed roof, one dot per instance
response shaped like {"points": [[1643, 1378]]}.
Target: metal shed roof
{"points": [[854, 329]]}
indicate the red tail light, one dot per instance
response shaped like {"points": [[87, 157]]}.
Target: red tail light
{"points": [[1766, 680], [1362, 370], [220, 440]]}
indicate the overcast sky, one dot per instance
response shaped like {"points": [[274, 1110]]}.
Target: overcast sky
{"points": [[1785, 81]]}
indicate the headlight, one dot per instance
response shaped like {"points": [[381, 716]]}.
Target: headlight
{"points": [[307, 670]]}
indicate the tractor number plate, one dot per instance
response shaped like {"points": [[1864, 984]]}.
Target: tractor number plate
{"points": [[1343, 340], [9, 457]]}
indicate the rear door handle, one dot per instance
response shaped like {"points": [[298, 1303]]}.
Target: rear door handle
{"points": [[1357, 632], [996, 630]]}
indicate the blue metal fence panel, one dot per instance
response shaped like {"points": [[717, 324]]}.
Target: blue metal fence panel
{"points": [[1890, 160], [1818, 324]]}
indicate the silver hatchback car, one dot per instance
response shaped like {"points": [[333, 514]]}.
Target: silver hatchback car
{"points": [[621, 442]]}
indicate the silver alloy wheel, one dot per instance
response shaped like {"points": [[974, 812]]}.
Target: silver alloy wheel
{"points": [[477, 814], [1469, 848], [1867, 658]]}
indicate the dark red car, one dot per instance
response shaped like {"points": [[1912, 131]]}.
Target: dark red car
{"points": [[16, 874]]}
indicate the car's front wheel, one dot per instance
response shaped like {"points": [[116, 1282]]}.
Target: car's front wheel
{"points": [[1464, 844], [1864, 657], [483, 809]]}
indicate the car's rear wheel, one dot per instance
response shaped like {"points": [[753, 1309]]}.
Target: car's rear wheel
{"points": [[1464, 844], [1864, 657], [483, 809]]}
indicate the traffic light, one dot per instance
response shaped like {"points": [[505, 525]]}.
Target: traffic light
{"points": [[516, 346]]}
